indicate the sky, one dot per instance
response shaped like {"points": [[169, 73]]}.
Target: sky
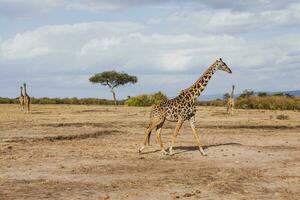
{"points": [[56, 45]]}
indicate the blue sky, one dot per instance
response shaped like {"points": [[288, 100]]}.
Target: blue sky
{"points": [[56, 45]]}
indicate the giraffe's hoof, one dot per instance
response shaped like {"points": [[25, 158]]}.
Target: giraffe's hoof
{"points": [[141, 149], [170, 151], [203, 153], [163, 152]]}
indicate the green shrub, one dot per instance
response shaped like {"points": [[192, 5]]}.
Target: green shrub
{"points": [[262, 94], [8, 101], [146, 100]]}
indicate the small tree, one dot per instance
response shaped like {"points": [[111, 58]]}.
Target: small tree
{"points": [[279, 94], [262, 94], [247, 93], [113, 79]]}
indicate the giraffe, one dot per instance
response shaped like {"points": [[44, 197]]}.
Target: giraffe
{"points": [[180, 109], [21, 99], [27, 100], [230, 102]]}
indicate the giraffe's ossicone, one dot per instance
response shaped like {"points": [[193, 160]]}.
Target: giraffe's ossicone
{"points": [[181, 108]]}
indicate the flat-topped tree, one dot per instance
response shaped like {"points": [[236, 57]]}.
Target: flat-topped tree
{"points": [[113, 79]]}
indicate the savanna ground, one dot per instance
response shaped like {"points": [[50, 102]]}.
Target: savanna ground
{"points": [[91, 152]]}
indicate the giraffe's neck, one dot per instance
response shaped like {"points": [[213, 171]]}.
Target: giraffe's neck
{"points": [[196, 89], [21, 94], [25, 91], [232, 92]]}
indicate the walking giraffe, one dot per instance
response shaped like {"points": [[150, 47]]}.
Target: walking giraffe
{"points": [[21, 98], [230, 102], [27, 100], [180, 109]]}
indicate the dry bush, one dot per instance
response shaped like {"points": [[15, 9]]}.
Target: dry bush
{"points": [[217, 102], [74, 100], [269, 102], [282, 117]]}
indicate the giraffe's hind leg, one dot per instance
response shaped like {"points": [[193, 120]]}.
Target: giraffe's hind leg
{"points": [[192, 123], [158, 138], [22, 106], [154, 122], [29, 107], [25, 107]]}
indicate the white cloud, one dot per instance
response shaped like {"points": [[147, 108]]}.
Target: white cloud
{"points": [[96, 44], [21, 8], [125, 45], [94, 7], [60, 40], [229, 21], [31, 8]]}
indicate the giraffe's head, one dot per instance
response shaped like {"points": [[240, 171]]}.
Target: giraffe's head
{"points": [[220, 65], [24, 84]]}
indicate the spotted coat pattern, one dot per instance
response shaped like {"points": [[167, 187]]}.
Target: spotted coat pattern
{"points": [[183, 106]]}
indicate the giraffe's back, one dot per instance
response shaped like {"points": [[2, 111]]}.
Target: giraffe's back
{"points": [[174, 109]]}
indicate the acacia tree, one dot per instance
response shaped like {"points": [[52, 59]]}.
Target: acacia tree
{"points": [[113, 79], [247, 93]]}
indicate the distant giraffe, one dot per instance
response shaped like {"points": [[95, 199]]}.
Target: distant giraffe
{"points": [[21, 98], [27, 100], [230, 102], [180, 109]]}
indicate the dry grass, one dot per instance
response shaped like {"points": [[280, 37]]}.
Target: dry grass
{"points": [[90, 152]]}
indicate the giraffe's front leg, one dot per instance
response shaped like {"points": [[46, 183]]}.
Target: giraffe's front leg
{"points": [[176, 131], [158, 138], [192, 123]]}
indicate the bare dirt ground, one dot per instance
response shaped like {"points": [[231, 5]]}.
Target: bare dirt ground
{"points": [[91, 152]]}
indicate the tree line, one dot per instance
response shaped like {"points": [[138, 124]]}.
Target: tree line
{"points": [[248, 99]]}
